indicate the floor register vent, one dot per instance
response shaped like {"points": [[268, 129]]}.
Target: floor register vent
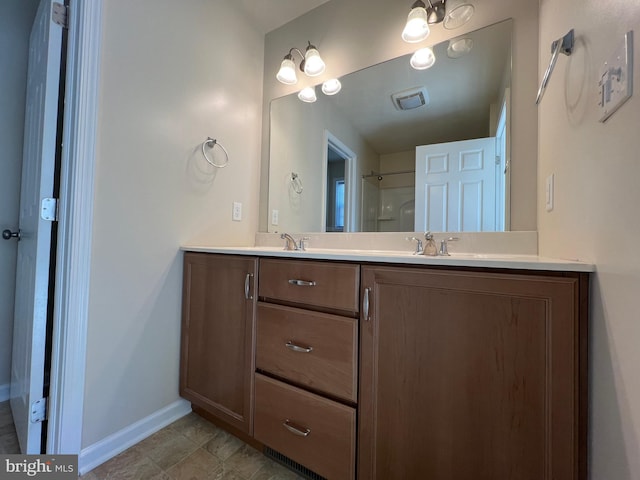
{"points": [[291, 465]]}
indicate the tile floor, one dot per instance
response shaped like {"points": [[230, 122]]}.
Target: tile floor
{"points": [[188, 449]]}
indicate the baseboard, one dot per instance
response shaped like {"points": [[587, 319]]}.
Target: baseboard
{"points": [[5, 391], [118, 442]]}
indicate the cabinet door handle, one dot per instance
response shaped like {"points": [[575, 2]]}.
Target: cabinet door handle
{"points": [[247, 284], [301, 283], [296, 348], [365, 304], [296, 429]]}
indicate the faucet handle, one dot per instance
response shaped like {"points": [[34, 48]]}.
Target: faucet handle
{"points": [[444, 250], [302, 245]]}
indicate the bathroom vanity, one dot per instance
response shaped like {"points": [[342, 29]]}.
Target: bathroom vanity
{"points": [[375, 366]]}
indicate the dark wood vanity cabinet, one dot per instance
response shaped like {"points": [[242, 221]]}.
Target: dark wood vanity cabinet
{"points": [[472, 375], [392, 372], [218, 334]]}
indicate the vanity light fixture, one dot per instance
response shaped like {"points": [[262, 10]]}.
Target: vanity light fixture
{"points": [[308, 94], [417, 26], [331, 86], [423, 59], [459, 47], [452, 14], [287, 72], [311, 64]]}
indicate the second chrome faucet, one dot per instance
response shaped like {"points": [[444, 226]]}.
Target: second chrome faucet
{"points": [[290, 243], [430, 248]]}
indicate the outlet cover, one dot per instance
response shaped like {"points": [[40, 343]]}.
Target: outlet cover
{"points": [[237, 212], [616, 78], [275, 217]]}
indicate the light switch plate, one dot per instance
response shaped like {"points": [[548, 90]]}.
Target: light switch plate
{"points": [[274, 217], [549, 192], [616, 79]]}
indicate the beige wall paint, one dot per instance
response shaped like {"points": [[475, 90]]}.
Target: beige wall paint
{"points": [[597, 173], [16, 17], [173, 73], [351, 37]]}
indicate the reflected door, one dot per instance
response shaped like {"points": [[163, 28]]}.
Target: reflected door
{"points": [[456, 186]]}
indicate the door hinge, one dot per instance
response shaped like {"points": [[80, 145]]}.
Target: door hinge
{"points": [[39, 410], [49, 209], [60, 14]]}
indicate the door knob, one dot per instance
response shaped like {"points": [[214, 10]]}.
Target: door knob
{"points": [[8, 234]]}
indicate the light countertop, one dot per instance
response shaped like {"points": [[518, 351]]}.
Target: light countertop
{"points": [[518, 262]]}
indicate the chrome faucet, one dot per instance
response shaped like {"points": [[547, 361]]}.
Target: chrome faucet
{"points": [[419, 247], [291, 244]]}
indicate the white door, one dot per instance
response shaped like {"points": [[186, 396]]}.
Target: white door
{"points": [[32, 275], [456, 186], [503, 174]]}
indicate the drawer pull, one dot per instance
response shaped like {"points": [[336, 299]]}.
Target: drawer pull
{"points": [[247, 283], [292, 346], [296, 429], [365, 304], [301, 283]]}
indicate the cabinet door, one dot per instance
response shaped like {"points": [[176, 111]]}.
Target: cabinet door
{"points": [[476, 376], [218, 330]]}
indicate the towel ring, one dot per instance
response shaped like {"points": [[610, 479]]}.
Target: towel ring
{"points": [[214, 142], [296, 183]]}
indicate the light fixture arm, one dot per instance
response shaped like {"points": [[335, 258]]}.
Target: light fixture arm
{"points": [[289, 56], [310, 63], [436, 11]]}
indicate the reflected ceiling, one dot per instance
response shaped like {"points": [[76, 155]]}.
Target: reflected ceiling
{"points": [[459, 91]]}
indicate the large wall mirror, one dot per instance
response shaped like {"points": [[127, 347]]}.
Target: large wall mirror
{"points": [[399, 149]]}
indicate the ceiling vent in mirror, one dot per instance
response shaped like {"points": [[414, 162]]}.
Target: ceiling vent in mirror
{"points": [[410, 99]]}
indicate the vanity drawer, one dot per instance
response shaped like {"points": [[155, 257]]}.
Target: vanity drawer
{"points": [[312, 349], [323, 284], [315, 432]]}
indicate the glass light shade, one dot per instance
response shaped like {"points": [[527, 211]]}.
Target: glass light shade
{"points": [[417, 27], [331, 87], [459, 47], [313, 63], [423, 59], [458, 12], [308, 95], [287, 72]]}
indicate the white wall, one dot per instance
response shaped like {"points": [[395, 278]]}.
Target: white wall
{"points": [[16, 17], [352, 34], [597, 194], [173, 73]]}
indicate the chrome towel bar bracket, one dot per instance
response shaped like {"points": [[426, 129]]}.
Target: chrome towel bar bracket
{"points": [[563, 45]]}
